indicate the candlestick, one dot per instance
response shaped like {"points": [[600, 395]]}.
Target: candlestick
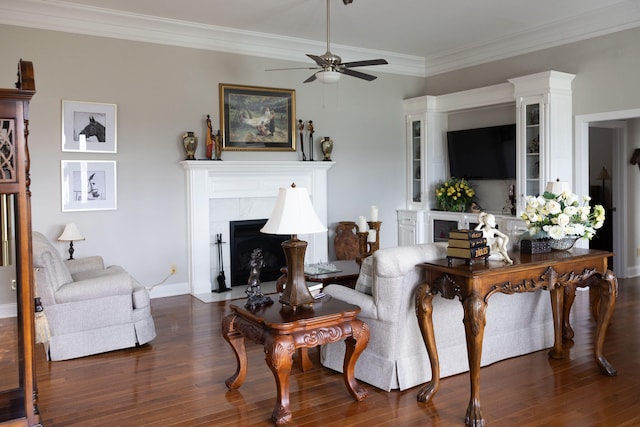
{"points": [[362, 246]]}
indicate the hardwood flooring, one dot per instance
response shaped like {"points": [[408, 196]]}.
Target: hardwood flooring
{"points": [[178, 380]]}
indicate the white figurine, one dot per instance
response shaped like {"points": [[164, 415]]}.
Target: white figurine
{"points": [[496, 239]]}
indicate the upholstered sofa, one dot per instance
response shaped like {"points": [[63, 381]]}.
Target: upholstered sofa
{"points": [[89, 308], [396, 357]]}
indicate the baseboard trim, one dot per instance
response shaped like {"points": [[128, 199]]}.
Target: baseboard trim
{"points": [[169, 290], [8, 310]]}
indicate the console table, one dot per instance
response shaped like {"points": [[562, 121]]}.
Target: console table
{"points": [[560, 272], [283, 329]]}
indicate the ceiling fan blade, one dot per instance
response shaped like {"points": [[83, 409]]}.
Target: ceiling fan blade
{"points": [[365, 63], [358, 74], [294, 68], [310, 79], [319, 60]]}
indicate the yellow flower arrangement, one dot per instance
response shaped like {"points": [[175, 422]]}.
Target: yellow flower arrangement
{"points": [[454, 194]]}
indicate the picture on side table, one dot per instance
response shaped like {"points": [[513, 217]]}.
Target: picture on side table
{"points": [[88, 185], [257, 118], [89, 127]]}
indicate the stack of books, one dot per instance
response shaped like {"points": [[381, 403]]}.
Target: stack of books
{"points": [[316, 290], [467, 244]]}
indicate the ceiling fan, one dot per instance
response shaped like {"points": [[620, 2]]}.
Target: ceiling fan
{"points": [[331, 65]]}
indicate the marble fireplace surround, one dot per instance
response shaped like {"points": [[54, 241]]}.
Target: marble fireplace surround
{"points": [[223, 191]]}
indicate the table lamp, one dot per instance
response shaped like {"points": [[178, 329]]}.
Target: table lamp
{"points": [[557, 187], [294, 214], [70, 234], [603, 176]]}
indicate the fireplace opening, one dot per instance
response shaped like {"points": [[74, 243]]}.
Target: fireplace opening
{"points": [[245, 237]]}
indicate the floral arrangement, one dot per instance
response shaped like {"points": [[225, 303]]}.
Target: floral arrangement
{"points": [[454, 194], [560, 215]]}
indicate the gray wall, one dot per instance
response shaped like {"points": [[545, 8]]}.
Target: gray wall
{"points": [[163, 91]]}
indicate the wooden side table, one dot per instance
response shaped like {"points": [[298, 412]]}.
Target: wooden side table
{"points": [[282, 330], [347, 276], [560, 272]]}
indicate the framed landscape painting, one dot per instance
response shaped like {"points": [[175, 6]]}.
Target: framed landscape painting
{"points": [[257, 118], [88, 185], [89, 127]]}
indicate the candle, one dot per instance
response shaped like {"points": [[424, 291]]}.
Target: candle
{"points": [[371, 238], [374, 213], [362, 224]]}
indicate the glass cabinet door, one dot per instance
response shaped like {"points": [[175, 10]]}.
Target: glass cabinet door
{"points": [[416, 161], [532, 149]]}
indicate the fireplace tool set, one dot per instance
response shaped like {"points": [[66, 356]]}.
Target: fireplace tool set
{"points": [[222, 281]]}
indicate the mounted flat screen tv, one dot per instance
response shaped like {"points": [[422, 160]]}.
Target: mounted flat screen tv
{"points": [[483, 153]]}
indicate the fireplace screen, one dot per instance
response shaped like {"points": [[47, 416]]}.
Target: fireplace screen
{"points": [[245, 237]]}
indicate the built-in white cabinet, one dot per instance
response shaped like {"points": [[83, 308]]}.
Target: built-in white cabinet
{"points": [[438, 224], [544, 146], [411, 227], [426, 161], [544, 150]]}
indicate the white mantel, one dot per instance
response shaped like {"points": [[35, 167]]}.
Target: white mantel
{"points": [[223, 191]]}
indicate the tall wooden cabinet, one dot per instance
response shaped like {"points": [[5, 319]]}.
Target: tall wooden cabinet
{"points": [[18, 398]]}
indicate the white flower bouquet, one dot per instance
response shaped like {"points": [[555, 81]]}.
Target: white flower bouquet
{"points": [[560, 215]]}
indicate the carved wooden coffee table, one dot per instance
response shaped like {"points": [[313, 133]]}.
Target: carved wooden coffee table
{"points": [[559, 271], [282, 330]]}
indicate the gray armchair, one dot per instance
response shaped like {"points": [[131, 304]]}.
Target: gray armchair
{"points": [[89, 308]]}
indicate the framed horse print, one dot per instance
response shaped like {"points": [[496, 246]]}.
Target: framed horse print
{"points": [[88, 185], [89, 127], [257, 118]]}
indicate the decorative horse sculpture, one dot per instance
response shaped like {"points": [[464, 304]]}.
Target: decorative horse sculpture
{"points": [[94, 128], [254, 291]]}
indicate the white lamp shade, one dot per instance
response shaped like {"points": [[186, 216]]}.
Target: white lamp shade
{"points": [[558, 187], [293, 214], [70, 234], [328, 76]]}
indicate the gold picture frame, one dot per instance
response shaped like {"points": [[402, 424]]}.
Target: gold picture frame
{"points": [[254, 118]]}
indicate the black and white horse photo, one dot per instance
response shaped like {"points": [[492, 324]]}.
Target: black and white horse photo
{"points": [[91, 125]]}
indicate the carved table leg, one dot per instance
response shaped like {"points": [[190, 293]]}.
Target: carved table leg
{"points": [[474, 321], [236, 340], [569, 297], [305, 360], [355, 345], [556, 292], [279, 352], [608, 284], [424, 310]]}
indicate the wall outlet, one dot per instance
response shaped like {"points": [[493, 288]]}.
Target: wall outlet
{"points": [[174, 269]]}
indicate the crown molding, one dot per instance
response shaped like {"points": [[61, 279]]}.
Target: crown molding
{"points": [[58, 15], [607, 20]]}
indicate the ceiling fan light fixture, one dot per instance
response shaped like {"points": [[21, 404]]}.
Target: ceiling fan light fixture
{"points": [[328, 76]]}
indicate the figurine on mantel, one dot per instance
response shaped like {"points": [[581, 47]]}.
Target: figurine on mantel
{"points": [[496, 239]]}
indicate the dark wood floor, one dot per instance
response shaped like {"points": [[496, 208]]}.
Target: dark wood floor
{"points": [[178, 380]]}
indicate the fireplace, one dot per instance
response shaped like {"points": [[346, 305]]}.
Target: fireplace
{"points": [[245, 236], [221, 192]]}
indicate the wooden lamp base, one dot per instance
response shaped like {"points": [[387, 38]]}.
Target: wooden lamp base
{"points": [[296, 292]]}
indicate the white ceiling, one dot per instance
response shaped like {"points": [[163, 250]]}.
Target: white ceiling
{"points": [[418, 37]]}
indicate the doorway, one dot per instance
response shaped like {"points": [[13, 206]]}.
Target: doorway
{"points": [[617, 122]]}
